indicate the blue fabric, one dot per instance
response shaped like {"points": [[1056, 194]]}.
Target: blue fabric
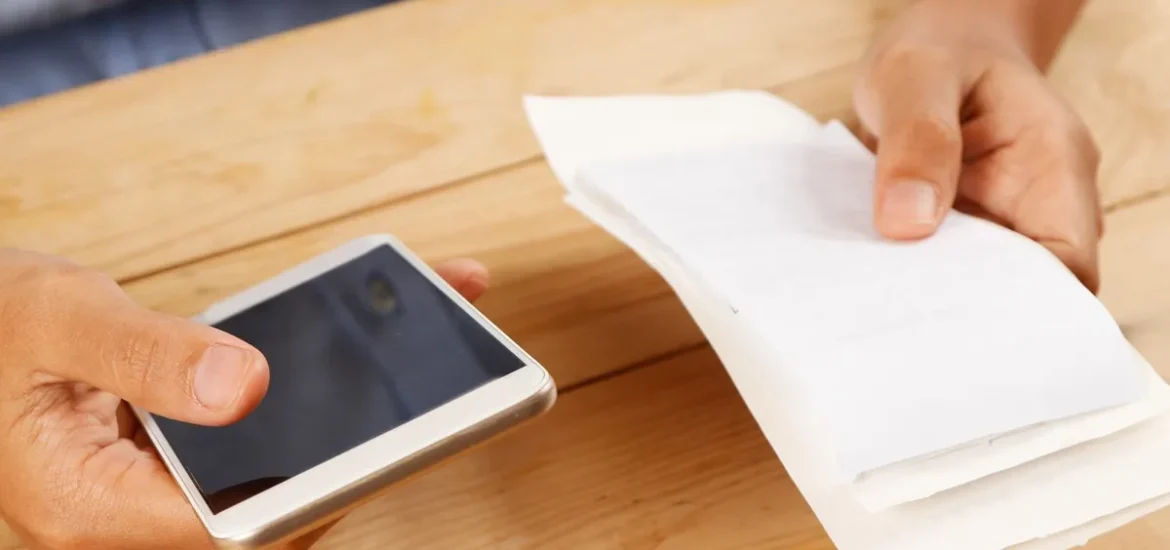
{"points": [[143, 34]]}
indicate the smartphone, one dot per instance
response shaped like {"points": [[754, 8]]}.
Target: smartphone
{"points": [[378, 368]]}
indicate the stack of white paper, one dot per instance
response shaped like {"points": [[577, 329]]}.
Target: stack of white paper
{"points": [[961, 392]]}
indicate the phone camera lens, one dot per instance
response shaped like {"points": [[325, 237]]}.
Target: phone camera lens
{"points": [[383, 299]]}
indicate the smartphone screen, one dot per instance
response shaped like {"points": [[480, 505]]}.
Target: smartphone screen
{"points": [[352, 354]]}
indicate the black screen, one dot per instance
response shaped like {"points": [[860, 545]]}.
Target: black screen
{"points": [[353, 354]]}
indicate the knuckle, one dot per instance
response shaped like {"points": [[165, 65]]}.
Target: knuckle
{"points": [[1071, 135], [137, 354], [923, 147], [68, 276], [935, 130], [35, 285], [1087, 145], [905, 58], [35, 295], [1082, 242], [1055, 143]]}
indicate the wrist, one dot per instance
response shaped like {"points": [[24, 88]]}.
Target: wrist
{"points": [[1035, 28]]}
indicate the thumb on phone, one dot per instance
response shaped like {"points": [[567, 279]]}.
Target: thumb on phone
{"points": [[170, 366]]}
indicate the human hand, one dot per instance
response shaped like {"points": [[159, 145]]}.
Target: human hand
{"points": [[76, 469], [954, 94]]}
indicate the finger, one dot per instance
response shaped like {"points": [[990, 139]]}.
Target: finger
{"points": [[972, 208], [867, 139], [169, 366], [911, 102], [1072, 234], [65, 495], [142, 506], [468, 277], [1053, 201], [861, 132], [1082, 261]]}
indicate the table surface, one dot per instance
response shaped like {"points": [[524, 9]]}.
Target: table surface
{"points": [[193, 181]]}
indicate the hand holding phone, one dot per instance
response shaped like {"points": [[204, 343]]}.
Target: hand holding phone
{"points": [[378, 369], [76, 470]]}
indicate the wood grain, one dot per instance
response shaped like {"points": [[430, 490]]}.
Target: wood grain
{"points": [[1113, 71], [612, 468], [577, 299], [196, 180], [175, 164], [663, 457], [1135, 266], [230, 148]]}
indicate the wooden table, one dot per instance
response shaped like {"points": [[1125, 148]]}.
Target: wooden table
{"points": [[194, 181]]}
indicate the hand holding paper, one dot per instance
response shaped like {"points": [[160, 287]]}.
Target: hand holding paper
{"points": [[920, 394], [952, 90]]}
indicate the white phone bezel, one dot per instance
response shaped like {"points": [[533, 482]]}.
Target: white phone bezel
{"points": [[488, 407]]}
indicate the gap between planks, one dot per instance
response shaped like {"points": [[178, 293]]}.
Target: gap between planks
{"points": [[829, 109]]}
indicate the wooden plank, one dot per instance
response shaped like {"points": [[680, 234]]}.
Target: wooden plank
{"points": [[1135, 266], [666, 456], [1112, 70], [176, 155], [574, 297], [554, 272], [95, 154], [577, 299], [178, 163], [613, 466], [1135, 262], [145, 162], [663, 457]]}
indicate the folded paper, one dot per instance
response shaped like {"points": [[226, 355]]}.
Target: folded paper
{"points": [[758, 218]]}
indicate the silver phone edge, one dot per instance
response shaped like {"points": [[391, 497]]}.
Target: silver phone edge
{"points": [[336, 505]]}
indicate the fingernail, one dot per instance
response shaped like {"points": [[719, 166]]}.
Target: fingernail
{"points": [[220, 375], [911, 201]]}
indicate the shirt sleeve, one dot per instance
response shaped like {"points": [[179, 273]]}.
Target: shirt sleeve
{"points": [[134, 35]]}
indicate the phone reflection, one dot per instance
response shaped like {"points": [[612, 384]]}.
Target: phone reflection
{"points": [[353, 354], [231, 496]]}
